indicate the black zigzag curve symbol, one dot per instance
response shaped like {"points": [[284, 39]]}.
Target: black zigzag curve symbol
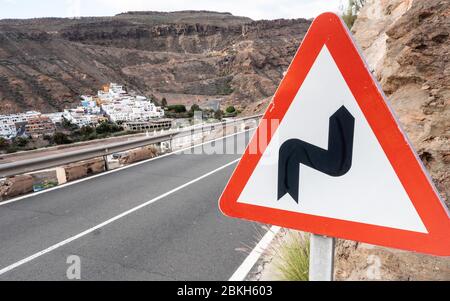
{"points": [[336, 161]]}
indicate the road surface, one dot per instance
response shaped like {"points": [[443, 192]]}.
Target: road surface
{"points": [[174, 230]]}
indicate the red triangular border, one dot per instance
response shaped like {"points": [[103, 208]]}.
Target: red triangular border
{"points": [[328, 29]]}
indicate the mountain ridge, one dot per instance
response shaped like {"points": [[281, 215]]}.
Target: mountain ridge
{"points": [[186, 57]]}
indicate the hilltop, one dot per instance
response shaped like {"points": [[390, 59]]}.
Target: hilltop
{"points": [[187, 57]]}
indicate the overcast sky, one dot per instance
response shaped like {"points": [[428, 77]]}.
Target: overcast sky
{"points": [[255, 9]]}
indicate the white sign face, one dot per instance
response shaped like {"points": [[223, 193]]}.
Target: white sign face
{"points": [[370, 192]]}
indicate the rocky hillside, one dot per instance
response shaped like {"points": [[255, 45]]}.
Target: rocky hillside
{"points": [[187, 57], [406, 43]]}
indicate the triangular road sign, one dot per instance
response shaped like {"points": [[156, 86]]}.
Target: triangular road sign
{"points": [[330, 158]]}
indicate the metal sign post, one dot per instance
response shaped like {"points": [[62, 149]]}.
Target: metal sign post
{"points": [[321, 258]]}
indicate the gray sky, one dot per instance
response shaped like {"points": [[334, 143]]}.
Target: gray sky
{"points": [[255, 9]]}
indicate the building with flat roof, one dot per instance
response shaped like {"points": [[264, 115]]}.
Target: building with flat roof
{"points": [[56, 118], [8, 129], [39, 126], [130, 108], [153, 125], [81, 118]]}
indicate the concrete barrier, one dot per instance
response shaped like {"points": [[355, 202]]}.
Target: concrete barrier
{"points": [[83, 169], [138, 155], [15, 186]]}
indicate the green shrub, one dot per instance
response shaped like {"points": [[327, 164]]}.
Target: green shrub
{"points": [[21, 141], [61, 138], [107, 128], [49, 138], [231, 109], [195, 108], [86, 130], [3, 143], [291, 257], [68, 125], [11, 149], [351, 12], [177, 108], [218, 114]]}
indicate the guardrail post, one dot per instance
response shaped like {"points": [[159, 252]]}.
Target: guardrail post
{"points": [[203, 133], [224, 130], [171, 143], [105, 158]]}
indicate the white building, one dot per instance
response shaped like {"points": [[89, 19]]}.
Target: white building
{"points": [[8, 123], [8, 131], [132, 109], [19, 117], [113, 91], [55, 117], [122, 107], [80, 118]]}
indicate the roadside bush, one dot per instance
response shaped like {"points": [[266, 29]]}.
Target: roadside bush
{"points": [[21, 141], [4, 144], [92, 136], [291, 257], [61, 138], [231, 109], [106, 128], [11, 149], [164, 102], [69, 125], [49, 138], [218, 114], [195, 108], [86, 130], [177, 108]]}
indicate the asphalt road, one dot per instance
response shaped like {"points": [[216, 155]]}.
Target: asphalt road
{"points": [[181, 236]]}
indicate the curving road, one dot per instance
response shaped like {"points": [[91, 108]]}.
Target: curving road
{"points": [[158, 220]]}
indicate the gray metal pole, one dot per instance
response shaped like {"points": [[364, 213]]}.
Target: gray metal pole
{"points": [[321, 258]]}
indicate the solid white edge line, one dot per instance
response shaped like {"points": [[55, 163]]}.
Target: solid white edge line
{"points": [[2, 203], [244, 269], [111, 220]]}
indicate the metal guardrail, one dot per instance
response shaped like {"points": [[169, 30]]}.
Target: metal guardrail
{"points": [[46, 162]]}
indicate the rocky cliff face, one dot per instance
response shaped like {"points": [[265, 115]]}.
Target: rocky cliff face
{"points": [[185, 56], [406, 42]]}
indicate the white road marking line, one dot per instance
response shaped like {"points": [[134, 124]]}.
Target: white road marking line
{"points": [[84, 233], [117, 169], [254, 255]]}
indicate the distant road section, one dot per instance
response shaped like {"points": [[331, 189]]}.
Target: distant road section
{"points": [[179, 235]]}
